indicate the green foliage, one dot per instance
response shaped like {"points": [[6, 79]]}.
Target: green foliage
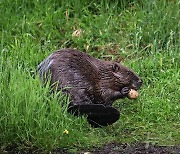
{"points": [[145, 34], [33, 117]]}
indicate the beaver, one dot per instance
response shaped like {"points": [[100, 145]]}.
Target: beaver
{"points": [[88, 80]]}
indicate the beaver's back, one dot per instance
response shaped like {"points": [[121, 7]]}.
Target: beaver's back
{"points": [[73, 72], [88, 80]]}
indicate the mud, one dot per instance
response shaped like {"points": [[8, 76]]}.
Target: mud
{"points": [[140, 148], [111, 148]]}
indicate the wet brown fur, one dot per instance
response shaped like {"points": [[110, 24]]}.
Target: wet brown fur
{"points": [[86, 79]]}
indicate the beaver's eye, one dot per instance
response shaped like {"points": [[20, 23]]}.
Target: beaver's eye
{"points": [[115, 68]]}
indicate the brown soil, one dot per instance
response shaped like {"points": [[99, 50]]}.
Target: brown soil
{"points": [[112, 148], [142, 148]]}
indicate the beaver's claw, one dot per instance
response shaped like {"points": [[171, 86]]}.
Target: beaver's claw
{"points": [[125, 91]]}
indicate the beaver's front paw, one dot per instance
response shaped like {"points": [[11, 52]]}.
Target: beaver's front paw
{"points": [[125, 91]]}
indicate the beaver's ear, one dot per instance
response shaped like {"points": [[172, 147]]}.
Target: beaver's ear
{"points": [[115, 68], [117, 71]]}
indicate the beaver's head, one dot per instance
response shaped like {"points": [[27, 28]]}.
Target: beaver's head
{"points": [[119, 78], [126, 77]]}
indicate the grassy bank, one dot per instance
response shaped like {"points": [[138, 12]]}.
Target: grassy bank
{"points": [[143, 35]]}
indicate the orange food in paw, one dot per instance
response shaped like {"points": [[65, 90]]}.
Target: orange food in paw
{"points": [[133, 94]]}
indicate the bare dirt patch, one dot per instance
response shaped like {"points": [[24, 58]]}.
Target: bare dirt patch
{"points": [[111, 148], [141, 148], [116, 148]]}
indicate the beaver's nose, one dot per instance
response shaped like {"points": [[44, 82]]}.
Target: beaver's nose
{"points": [[136, 85]]}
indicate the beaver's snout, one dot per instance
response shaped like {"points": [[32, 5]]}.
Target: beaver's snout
{"points": [[137, 84]]}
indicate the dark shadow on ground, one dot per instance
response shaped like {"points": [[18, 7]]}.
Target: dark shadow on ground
{"points": [[141, 148], [111, 148]]}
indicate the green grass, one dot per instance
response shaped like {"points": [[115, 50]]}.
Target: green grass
{"points": [[145, 34]]}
